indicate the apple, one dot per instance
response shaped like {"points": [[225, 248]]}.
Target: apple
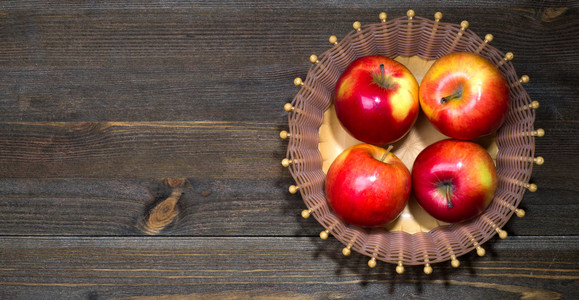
{"points": [[367, 185], [454, 180], [464, 96], [376, 100]]}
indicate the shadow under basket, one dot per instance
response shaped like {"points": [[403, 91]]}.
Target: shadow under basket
{"points": [[315, 138]]}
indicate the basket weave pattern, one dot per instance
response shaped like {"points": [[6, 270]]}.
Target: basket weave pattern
{"points": [[429, 40]]}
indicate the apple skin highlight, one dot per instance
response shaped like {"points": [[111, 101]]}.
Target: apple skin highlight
{"points": [[366, 191], [464, 96], [374, 109], [465, 169]]}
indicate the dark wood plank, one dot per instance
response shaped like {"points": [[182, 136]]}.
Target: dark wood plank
{"points": [[97, 268], [555, 201], [141, 150], [179, 62], [208, 207]]}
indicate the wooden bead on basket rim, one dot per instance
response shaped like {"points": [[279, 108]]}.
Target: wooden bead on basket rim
{"points": [[293, 189], [455, 263], [502, 234], [399, 268], [524, 79], [298, 81], [489, 38], [346, 251], [427, 269], [372, 262], [437, 16], [288, 107], [531, 187], [283, 134], [540, 132], [333, 40], [480, 251], [286, 162], [314, 59], [464, 25], [509, 56], [382, 16]]}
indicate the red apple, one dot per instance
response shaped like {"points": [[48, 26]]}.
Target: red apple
{"points": [[454, 180], [367, 185], [464, 96], [376, 100]]}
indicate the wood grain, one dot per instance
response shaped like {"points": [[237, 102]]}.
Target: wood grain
{"points": [[117, 208], [73, 268], [100, 102], [140, 149], [209, 207], [177, 62]]}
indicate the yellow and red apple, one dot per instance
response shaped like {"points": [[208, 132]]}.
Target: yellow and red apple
{"points": [[464, 96], [454, 180], [368, 186], [376, 100]]}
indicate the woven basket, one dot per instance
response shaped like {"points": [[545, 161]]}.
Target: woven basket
{"points": [[315, 138]]}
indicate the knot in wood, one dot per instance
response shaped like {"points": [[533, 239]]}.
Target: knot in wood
{"points": [[175, 182], [162, 214]]}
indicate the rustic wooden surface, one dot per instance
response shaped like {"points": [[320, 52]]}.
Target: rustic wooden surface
{"points": [[100, 103]]}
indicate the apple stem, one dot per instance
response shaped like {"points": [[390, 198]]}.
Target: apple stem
{"points": [[450, 205], [386, 153], [452, 96], [382, 75]]}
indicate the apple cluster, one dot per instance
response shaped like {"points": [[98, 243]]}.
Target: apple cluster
{"points": [[377, 101]]}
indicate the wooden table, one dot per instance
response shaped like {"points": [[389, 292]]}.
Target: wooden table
{"points": [[102, 103]]}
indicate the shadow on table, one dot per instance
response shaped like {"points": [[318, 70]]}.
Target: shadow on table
{"points": [[355, 267]]}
